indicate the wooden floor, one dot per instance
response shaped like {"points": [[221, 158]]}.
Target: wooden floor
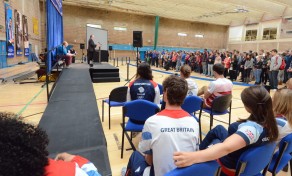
{"points": [[29, 101]]}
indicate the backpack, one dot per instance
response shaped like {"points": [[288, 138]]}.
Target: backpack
{"points": [[283, 65]]}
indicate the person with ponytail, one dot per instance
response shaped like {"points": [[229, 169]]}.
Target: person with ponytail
{"points": [[185, 72], [227, 146]]}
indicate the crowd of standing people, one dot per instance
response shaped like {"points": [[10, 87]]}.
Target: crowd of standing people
{"points": [[262, 67]]}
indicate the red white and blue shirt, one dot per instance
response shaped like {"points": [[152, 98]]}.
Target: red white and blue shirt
{"points": [[78, 166], [219, 87], [165, 133]]}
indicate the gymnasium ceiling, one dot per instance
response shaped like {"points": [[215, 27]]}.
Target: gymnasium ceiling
{"points": [[221, 12]]}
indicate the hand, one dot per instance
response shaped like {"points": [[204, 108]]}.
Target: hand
{"points": [[183, 159], [64, 156]]}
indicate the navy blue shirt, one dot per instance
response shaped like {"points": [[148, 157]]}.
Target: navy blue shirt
{"points": [[142, 89]]}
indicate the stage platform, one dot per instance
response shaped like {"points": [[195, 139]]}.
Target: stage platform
{"points": [[72, 120], [104, 72]]}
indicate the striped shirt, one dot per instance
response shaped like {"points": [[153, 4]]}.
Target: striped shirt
{"points": [[219, 87]]}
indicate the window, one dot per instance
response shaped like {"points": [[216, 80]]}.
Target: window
{"points": [[270, 34], [251, 35]]}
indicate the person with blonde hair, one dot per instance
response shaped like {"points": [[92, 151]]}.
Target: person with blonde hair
{"points": [[185, 72], [282, 108]]}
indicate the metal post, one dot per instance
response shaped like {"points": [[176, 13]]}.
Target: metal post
{"points": [[117, 62], [114, 61], [47, 78], [137, 56], [122, 61], [127, 71]]}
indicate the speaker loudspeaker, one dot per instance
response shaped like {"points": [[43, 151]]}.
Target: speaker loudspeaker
{"points": [[82, 46], [137, 39], [110, 48]]}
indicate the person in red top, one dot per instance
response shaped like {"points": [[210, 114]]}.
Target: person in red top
{"points": [[227, 62], [23, 151]]}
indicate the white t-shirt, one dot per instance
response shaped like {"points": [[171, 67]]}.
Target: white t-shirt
{"points": [[219, 87], [165, 133], [192, 87]]}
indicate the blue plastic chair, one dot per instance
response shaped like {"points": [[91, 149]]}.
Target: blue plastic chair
{"points": [[211, 168], [117, 97], [161, 92], [160, 88], [220, 106], [283, 156], [192, 104], [138, 111], [255, 160]]}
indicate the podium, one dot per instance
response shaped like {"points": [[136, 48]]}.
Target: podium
{"points": [[102, 54]]}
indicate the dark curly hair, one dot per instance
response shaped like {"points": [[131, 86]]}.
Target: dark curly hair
{"points": [[22, 147]]}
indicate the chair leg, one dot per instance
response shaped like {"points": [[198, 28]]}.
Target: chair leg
{"points": [[230, 113], [109, 117], [200, 127], [290, 167], [131, 135], [211, 121], [229, 118], [102, 110], [123, 138]]}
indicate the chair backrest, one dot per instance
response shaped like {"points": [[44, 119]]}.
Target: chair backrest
{"points": [[140, 110], [210, 168], [285, 149], [160, 88], [255, 159], [192, 104], [286, 144], [221, 103], [119, 94]]}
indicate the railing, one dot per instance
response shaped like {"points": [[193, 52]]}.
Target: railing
{"points": [[48, 72]]}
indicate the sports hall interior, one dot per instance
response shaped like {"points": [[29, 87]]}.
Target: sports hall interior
{"points": [[190, 25]]}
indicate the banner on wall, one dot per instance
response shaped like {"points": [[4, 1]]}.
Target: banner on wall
{"points": [[58, 6], [18, 33], [25, 35], [35, 22], [9, 31]]}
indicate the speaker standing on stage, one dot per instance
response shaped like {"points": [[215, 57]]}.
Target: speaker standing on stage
{"points": [[91, 49]]}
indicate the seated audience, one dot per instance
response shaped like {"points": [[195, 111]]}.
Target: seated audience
{"points": [[143, 87], [185, 72], [221, 86], [72, 51], [23, 151], [64, 54], [282, 102], [170, 130], [259, 128]]}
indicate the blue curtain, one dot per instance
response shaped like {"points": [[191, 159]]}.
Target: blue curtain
{"points": [[55, 34]]}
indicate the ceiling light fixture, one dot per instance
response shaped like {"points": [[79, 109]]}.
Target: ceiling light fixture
{"points": [[199, 36], [120, 28], [182, 34]]}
